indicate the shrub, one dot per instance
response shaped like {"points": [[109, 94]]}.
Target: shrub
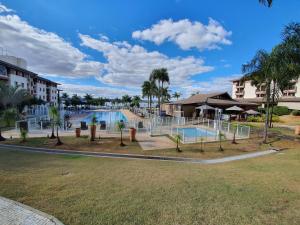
{"points": [[253, 119], [275, 118], [296, 112], [281, 110]]}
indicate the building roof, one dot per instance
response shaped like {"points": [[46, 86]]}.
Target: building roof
{"points": [[201, 98], [217, 99], [35, 75]]}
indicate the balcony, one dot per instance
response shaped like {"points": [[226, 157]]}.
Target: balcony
{"points": [[239, 93], [260, 92], [240, 86], [290, 91]]}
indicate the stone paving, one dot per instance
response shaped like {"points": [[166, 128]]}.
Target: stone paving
{"points": [[15, 213]]}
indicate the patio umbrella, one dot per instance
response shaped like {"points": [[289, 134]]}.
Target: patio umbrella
{"points": [[252, 112], [205, 107], [235, 108]]}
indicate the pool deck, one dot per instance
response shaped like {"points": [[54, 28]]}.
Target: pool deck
{"points": [[130, 115]]}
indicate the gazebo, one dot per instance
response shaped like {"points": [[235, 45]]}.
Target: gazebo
{"points": [[235, 109], [204, 108]]}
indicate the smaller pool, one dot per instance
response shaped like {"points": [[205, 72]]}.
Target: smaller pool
{"points": [[190, 132]]}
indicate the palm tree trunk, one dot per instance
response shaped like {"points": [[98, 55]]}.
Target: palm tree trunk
{"points": [[59, 142], [272, 106], [121, 144], [267, 114]]}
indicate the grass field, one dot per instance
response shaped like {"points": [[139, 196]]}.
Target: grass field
{"points": [[83, 190], [111, 144]]}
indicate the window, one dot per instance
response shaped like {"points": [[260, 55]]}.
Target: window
{"points": [[23, 85], [16, 83]]}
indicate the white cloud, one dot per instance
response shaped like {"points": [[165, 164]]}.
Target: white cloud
{"points": [[129, 65], [4, 9], [218, 84], [186, 34], [44, 51], [81, 90]]}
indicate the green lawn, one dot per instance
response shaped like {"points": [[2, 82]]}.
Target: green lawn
{"points": [[83, 190], [112, 144]]}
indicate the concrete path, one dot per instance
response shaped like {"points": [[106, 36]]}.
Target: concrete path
{"points": [[15, 213], [136, 156], [153, 143]]}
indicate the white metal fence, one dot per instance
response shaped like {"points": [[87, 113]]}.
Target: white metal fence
{"points": [[197, 130]]}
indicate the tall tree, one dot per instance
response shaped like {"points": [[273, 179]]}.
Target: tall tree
{"points": [[149, 89], [176, 95], [89, 99], [11, 97], [136, 101], [160, 76], [126, 99], [75, 101], [259, 70]]}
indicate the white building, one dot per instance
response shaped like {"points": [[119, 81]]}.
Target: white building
{"points": [[13, 71], [243, 90]]}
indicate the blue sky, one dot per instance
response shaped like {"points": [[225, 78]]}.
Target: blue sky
{"points": [[108, 48]]}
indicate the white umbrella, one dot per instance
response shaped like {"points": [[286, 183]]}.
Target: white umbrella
{"points": [[235, 108], [205, 107], [252, 112]]}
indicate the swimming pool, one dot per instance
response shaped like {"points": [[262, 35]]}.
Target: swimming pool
{"points": [[192, 132], [107, 116]]}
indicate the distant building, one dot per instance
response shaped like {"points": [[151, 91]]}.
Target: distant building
{"points": [[242, 90], [13, 71]]}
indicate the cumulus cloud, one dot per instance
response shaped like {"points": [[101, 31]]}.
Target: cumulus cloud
{"points": [[4, 9], [186, 34], [109, 92], [130, 64], [44, 51], [217, 84]]}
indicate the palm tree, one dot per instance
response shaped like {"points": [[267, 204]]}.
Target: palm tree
{"points": [[52, 115], [176, 95], [266, 2], [121, 126], [126, 99], [89, 99], [178, 138], [56, 122], [146, 91], [259, 70], [165, 95], [11, 97], [160, 76], [75, 101], [136, 101]]}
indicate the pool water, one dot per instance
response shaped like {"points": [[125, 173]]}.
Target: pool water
{"points": [[195, 132], [107, 116]]}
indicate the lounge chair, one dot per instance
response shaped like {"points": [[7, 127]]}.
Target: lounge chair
{"points": [[83, 125], [102, 125]]}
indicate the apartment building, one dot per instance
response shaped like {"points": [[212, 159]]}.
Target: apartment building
{"points": [[13, 71], [243, 90]]}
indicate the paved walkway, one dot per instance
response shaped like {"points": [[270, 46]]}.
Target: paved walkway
{"points": [[153, 143], [136, 156], [15, 213]]}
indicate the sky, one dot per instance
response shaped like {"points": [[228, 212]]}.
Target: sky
{"points": [[108, 48]]}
